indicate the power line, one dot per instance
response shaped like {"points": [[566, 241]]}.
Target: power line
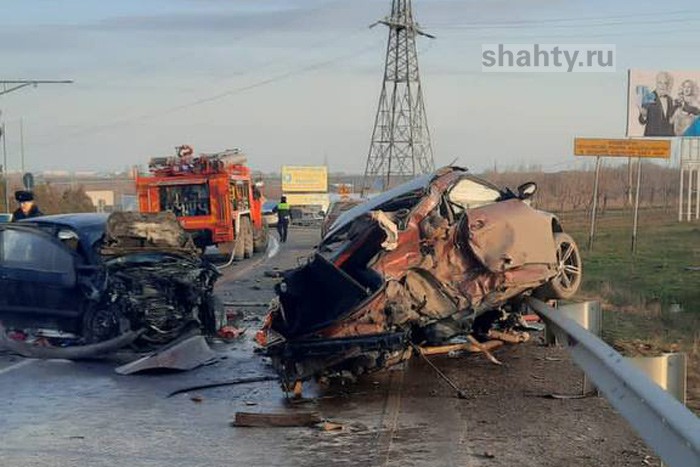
{"points": [[659, 17], [204, 100], [583, 34], [570, 26]]}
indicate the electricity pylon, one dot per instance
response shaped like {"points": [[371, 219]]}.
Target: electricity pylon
{"points": [[400, 147]]}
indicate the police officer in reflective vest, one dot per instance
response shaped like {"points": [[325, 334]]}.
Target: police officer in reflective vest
{"points": [[282, 210]]}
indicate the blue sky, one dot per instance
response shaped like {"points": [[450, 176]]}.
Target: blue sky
{"points": [[297, 81]]}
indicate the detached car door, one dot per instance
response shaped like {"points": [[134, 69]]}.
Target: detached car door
{"points": [[37, 280]]}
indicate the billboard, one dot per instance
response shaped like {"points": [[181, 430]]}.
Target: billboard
{"points": [[101, 197], [658, 148], [663, 103], [304, 179]]}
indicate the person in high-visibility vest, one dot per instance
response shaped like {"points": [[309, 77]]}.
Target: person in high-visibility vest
{"points": [[282, 210]]}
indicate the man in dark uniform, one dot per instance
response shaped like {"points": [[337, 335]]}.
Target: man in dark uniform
{"points": [[657, 115], [282, 210], [27, 208]]}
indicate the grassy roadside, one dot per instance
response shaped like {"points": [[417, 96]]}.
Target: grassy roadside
{"points": [[642, 293]]}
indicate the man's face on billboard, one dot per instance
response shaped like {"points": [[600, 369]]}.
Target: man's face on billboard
{"points": [[663, 84]]}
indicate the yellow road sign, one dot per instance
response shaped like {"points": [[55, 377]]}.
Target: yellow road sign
{"points": [[652, 148], [304, 179]]}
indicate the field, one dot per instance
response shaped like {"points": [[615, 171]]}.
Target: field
{"points": [[651, 298]]}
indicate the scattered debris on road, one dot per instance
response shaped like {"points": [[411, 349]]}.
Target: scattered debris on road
{"points": [[247, 304], [460, 392], [285, 419], [184, 354], [461, 347], [567, 396], [233, 382], [229, 333], [331, 426]]}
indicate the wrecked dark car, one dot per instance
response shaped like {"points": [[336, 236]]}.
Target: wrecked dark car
{"points": [[442, 256], [80, 284]]}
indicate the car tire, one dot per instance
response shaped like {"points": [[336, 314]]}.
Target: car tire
{"points": [[248, 238], [99, 323], [567, 281]]}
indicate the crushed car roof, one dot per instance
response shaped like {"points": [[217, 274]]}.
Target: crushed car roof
{"points": [[375, 202]]}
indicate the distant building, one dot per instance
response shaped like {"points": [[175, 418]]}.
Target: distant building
{"points": [[103, 200], [85, 174]]}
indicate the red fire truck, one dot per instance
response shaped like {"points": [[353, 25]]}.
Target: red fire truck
{"points": [[213, 196]]}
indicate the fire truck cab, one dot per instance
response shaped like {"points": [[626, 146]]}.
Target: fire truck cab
{"points": [[212, 195]]}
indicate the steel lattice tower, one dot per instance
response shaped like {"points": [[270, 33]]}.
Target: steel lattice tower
{"points": [[400, 146]]}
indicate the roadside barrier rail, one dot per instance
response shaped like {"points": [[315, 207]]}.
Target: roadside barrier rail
{"points": [[666, 425]]}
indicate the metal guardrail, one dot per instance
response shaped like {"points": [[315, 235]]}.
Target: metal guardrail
{"points": [[667, 426]]}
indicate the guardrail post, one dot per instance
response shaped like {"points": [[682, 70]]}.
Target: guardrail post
{"points": [[589, 315], [668, 371]]}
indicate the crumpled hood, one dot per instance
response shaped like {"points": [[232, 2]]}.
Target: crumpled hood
{"points": [[134, 232]]}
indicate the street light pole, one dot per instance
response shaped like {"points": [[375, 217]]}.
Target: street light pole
{"points": [[4, 167], [21, 142], [16, 84], [7, 86]]}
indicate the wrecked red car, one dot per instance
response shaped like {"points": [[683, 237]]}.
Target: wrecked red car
{"points": [[77, 285], [444, 255]]}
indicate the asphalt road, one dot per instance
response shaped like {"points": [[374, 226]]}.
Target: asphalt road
{"points": [[61, 413]]}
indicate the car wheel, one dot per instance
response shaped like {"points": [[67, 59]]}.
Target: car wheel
{"points": [[99, 324], [569, 270]]}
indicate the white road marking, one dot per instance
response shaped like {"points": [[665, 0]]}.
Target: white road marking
{"points": [[17, 365]]}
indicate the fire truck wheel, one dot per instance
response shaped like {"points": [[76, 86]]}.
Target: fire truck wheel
{"points": [[260, 239], [239, 251], [248, 237]]}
